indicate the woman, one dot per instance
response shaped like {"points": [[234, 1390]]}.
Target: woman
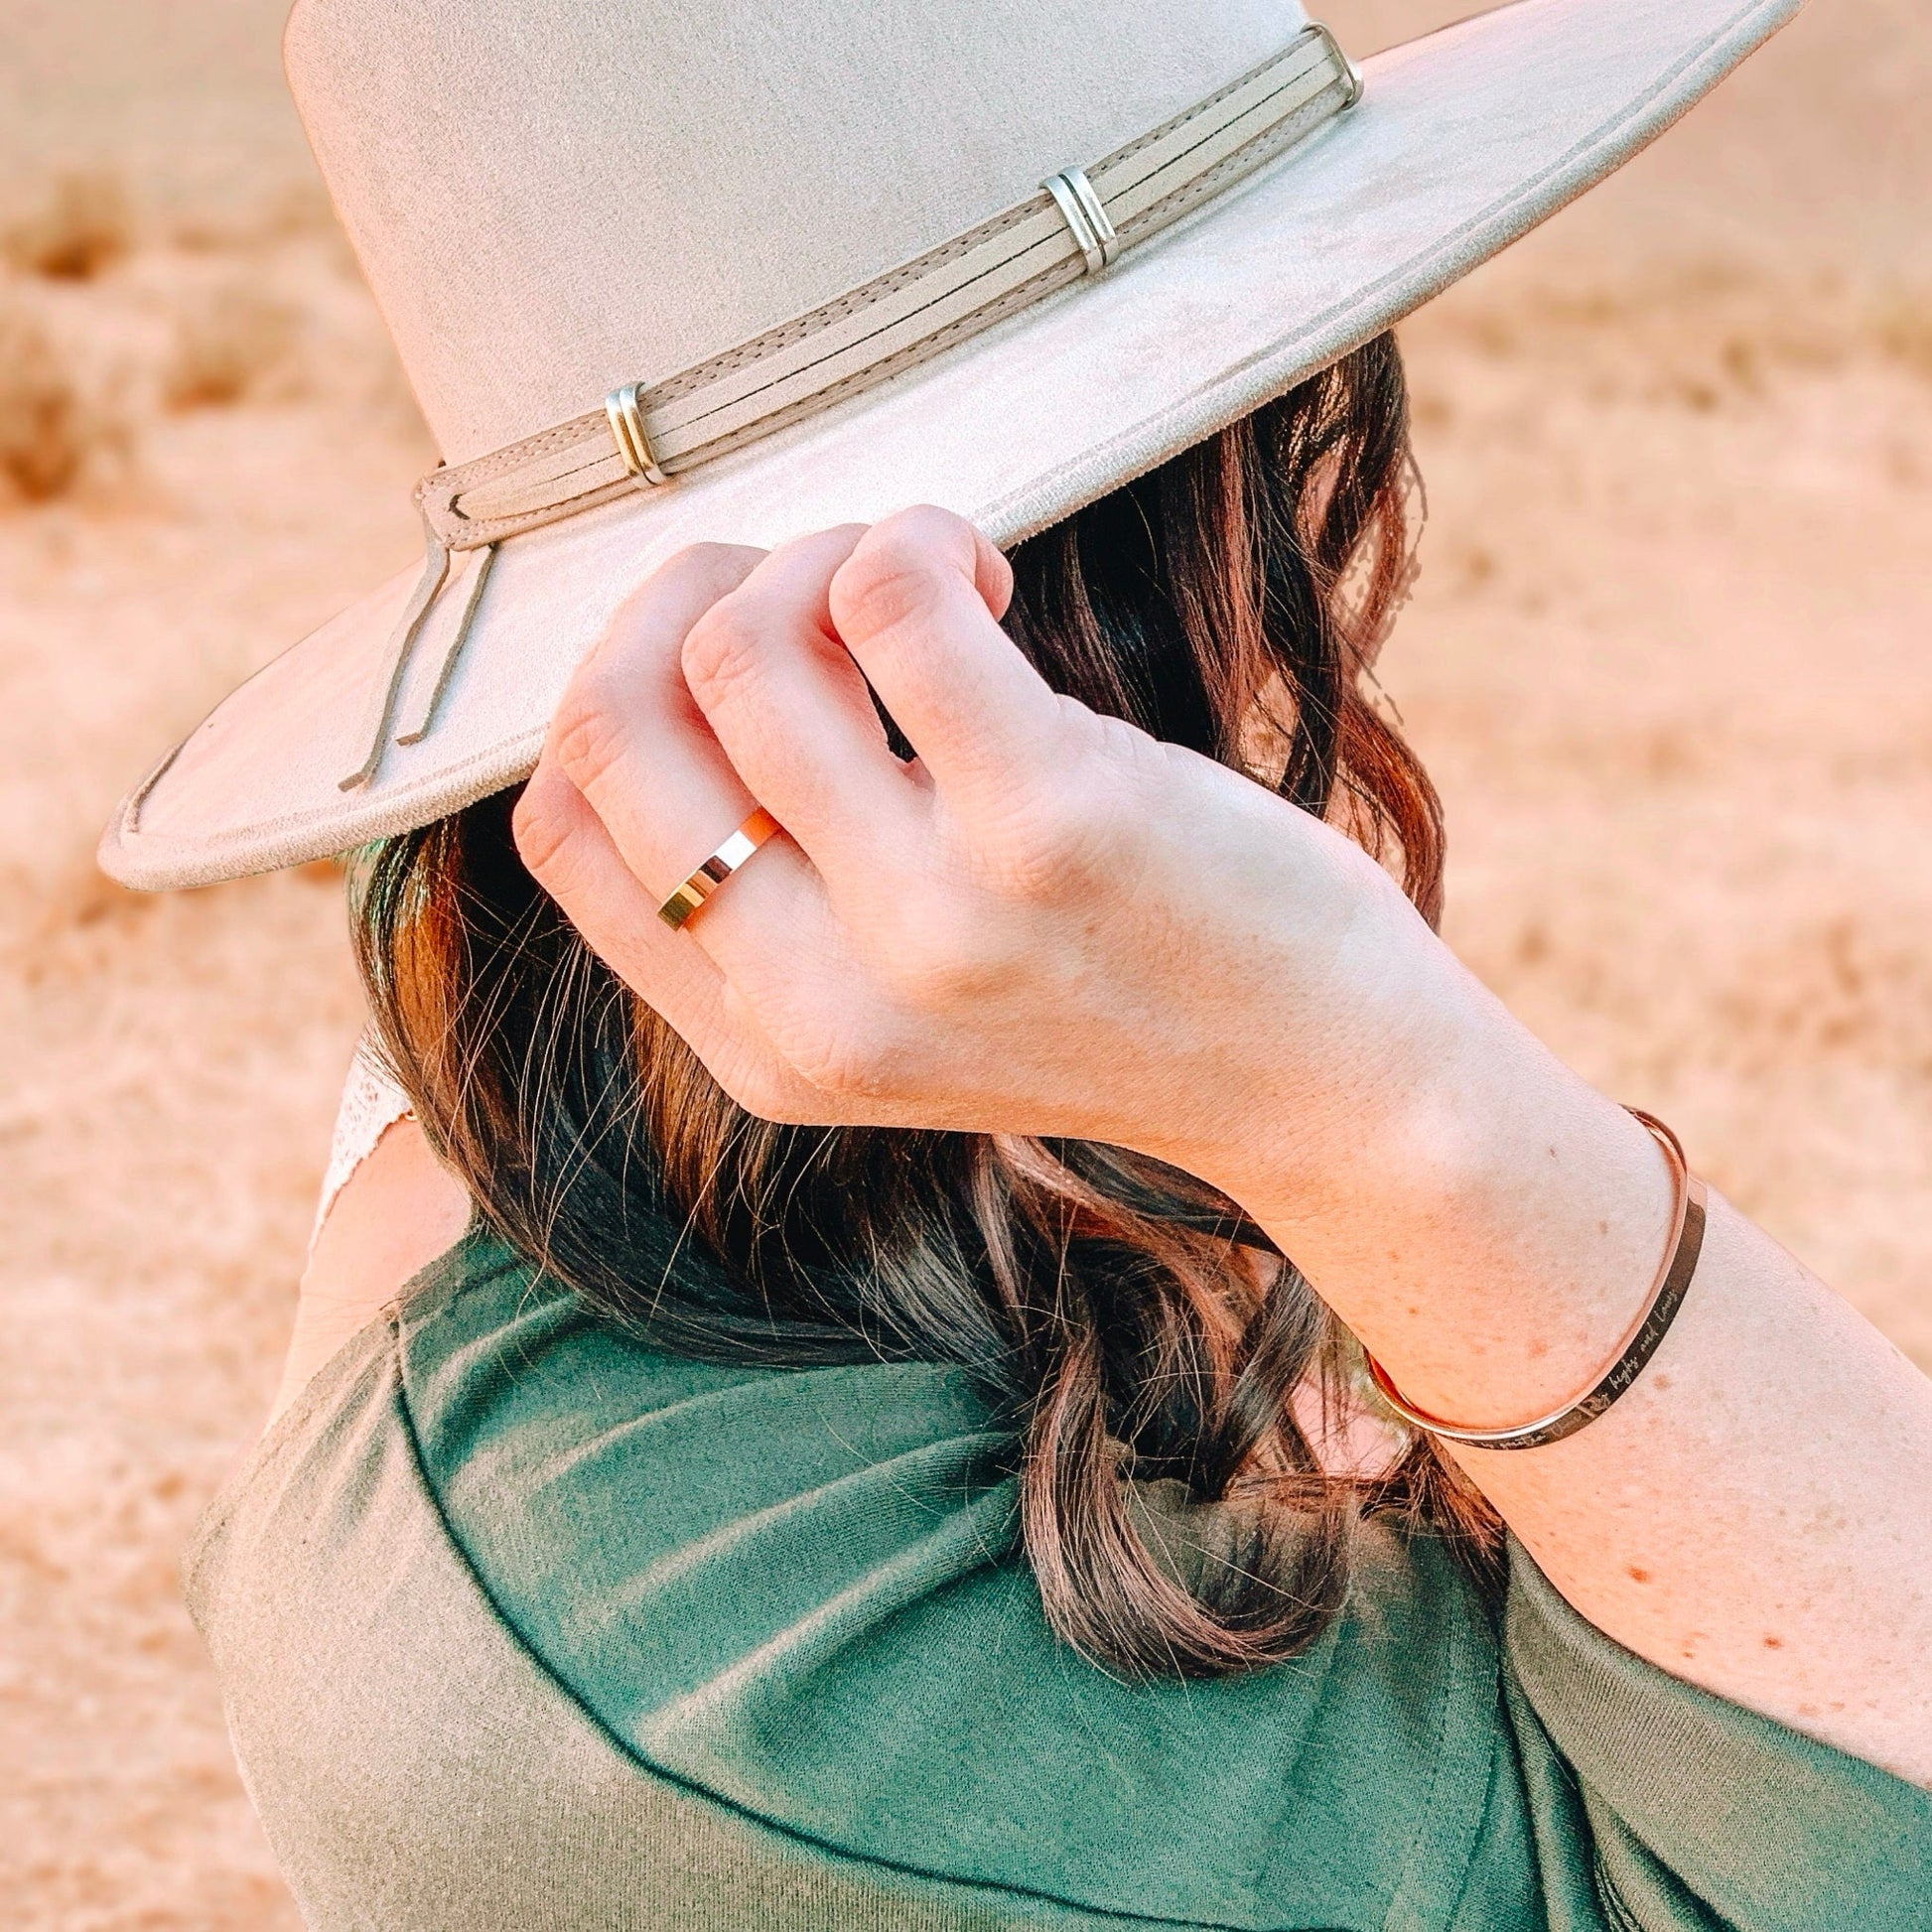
{"points": [[814, 1422]]}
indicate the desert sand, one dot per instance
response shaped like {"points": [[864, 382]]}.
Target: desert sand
{"points": [[1666, 660]]}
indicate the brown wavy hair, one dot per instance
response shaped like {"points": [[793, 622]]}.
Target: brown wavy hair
{"points": [[1125, 1319]]}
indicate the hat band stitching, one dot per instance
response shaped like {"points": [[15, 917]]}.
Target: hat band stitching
{"points": [[1311, 59], [1075, 225], [600, 474], [799, 327]]}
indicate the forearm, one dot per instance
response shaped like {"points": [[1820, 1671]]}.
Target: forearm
{"points": [[1751, 1515], [1050, 923]]}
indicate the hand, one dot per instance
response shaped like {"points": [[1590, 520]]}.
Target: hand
{"points": [[1048, 922]]}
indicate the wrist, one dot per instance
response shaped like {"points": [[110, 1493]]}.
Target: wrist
{"points": [[1482, 1218], [1356, 1070]]}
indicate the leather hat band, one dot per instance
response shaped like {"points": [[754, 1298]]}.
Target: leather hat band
{"points": [[646, 433], [649, 431]]}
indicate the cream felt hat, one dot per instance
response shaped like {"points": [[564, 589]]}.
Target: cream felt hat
{"points": [[670, 270]]}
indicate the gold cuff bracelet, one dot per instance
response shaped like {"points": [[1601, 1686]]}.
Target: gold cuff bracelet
{"points": [[1659, 1312]]}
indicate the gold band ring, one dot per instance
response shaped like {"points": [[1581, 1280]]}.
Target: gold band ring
{"points": [[685, 901]]}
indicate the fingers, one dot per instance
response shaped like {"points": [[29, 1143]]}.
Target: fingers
{"points": [[817, 1062], [568, 849], [629, 737], [916, 604], [791, 709]]}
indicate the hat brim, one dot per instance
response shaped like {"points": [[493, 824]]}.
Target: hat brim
{"points": [[1462, 142]]}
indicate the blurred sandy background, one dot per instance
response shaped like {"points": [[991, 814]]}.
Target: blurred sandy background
{"points": [[1668, 661]]}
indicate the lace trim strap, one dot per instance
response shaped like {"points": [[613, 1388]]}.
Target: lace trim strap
{"points": [[371, 1104]]}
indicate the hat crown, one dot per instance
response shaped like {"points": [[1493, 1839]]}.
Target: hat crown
{"points": [[551, 197]]}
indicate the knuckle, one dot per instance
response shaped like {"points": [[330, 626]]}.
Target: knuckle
{"points": [[716, 568], [940, 962], [901, 574], [646, 627], [723, 649], [1063, 845], [930, 526], [708, 560], [586, 735], [541, 829], [1062, 836]]}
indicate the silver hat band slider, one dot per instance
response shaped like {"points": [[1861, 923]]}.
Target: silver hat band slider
{"points": [[1078, 223], [625, 408], [1073, 196]]}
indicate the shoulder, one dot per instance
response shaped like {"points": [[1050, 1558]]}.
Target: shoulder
{"points": [[396, 1213], [798, 1591]]}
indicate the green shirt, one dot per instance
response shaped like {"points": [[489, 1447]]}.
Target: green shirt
{"points": [[522, 1623]]}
